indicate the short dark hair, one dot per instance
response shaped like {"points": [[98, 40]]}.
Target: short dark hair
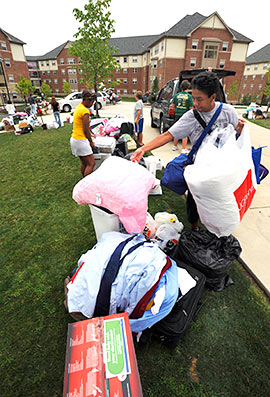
{"points": [[185, 85], [139, 94], [206, 82], [89, 94]]}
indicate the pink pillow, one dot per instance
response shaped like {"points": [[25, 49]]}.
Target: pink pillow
{"points": [[120, 186]]}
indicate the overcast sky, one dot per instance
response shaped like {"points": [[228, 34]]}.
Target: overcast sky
{"points": [[44, 25]]}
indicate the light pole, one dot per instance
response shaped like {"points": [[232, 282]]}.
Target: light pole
{"points": [[5, 80]]}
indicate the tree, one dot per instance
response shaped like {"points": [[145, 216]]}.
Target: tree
{"points": [[233, 90], [24, 88], [46, 89], [266, 91], [92, 43], [154, 90], [66, 88]]}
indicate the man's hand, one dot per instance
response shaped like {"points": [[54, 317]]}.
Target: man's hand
{"points": [[137, 155]]}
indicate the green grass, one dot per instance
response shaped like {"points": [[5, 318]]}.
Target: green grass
{"points": [[263, 122], [44, 232]]}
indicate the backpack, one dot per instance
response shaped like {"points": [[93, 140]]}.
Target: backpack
{"points": [[127, 128]]}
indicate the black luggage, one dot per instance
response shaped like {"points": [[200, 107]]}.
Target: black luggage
{"points": [[170, 330]]}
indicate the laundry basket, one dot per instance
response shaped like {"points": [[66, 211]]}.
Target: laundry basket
{"points": [[105, 221]]}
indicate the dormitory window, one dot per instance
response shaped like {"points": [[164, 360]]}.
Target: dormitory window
{"points": [[222, 63], [265, 66], [260, 86], [156, 49], [41, 63], [55, 81], [256, 67], [47, 63], [193, 62], [225, 46], [134, 81], [71, 61], [246, 77], [11, 78], [53, 63], [63, 71], [124, 91], [62, 61], [43, 73], [244, 86], [125, 59], [262, 76], [248, 67], [118, 92], [118, 60], [251, 86], [162, 45], [134, 59], [7, 62], [253, 77], [125, 70], [125, 81], [49, 72], [134, 70], [195, 44], [3, 46]]}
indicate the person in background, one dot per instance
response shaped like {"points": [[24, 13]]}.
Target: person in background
{"points": [[81, 139], [138, 117], [10, 108], [182, 102], [33, 105], [56, 111], [204, 88]]}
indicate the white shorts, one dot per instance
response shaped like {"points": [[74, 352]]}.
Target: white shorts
{"points": [[80, 147]]}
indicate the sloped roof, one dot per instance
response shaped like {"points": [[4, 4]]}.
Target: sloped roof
{"points": [[139, 44], [132, 45], [262, 55], [12, 38]]}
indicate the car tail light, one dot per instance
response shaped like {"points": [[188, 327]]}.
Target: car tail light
{"points": [[171, 111]]}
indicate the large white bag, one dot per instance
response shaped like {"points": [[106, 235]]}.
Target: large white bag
{"points": [[222, 180]]}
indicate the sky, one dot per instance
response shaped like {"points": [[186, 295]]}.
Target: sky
{"points": [[44, 25]]}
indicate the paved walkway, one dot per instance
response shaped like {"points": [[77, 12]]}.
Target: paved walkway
{"points": [[254, 231]]}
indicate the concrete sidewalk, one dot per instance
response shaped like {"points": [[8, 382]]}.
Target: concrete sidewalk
{"points": [[254, 230]]}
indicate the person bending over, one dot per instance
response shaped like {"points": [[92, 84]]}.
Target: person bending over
{"points": [[204, 91]]}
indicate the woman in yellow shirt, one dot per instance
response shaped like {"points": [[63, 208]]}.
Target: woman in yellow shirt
{"points": [[81, 139]]}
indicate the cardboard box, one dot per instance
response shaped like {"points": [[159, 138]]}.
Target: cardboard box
{"points": [[100, 359], [23, 124]]}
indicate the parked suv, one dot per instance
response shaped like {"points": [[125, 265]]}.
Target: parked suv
{"points": [[75, 98], [162, 115]]}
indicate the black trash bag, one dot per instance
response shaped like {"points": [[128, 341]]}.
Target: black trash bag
{"points": [[209, 254], [142, 162]]}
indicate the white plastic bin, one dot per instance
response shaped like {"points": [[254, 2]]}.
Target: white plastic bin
{"points": [[99, 158], [105, 221]]}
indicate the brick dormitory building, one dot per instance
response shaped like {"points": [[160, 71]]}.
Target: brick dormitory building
{"points": [[196, 41]]}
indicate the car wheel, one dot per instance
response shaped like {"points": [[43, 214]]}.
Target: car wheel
{"points": [[161, 126], [153, 125], [67, 108], [97, 106]]}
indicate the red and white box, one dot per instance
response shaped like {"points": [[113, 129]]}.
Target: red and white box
{"points": [[100, 359]]}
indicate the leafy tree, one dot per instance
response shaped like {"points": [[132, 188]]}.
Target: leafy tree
{"points": [[92, 43], [66, 88], [154, 90], [46, 89], [24, 88], [266, 91], [233, 90]]}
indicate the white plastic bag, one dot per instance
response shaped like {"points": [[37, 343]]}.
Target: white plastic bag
{"points": [[52, 125], [165, 233], [162, 218], [150, 227], [222, 181]]}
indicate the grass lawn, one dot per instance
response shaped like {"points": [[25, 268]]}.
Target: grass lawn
{"points": [[225, 352], [261, 122]]}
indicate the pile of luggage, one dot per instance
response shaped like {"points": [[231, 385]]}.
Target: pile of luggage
{"points": [[157, 278]]}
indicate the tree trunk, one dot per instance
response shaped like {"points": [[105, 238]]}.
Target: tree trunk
{"points": [[96, 92]]}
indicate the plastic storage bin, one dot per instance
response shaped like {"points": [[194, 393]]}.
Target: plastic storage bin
{"points": [[99, 158], [105, 144], [105, 221]]}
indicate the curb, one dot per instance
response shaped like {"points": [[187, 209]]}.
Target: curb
{"points": [[254, 277]]}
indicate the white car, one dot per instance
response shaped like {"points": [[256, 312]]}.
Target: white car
{"points": [[75, 98]]}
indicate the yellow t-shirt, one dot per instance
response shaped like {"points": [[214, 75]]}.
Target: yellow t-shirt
{"points": [[79, 112]]}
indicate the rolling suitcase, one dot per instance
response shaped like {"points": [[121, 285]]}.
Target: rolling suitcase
{"points": [[170, 330]]}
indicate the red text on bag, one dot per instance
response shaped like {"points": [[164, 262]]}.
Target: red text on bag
{"points": [[244, 194]]}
